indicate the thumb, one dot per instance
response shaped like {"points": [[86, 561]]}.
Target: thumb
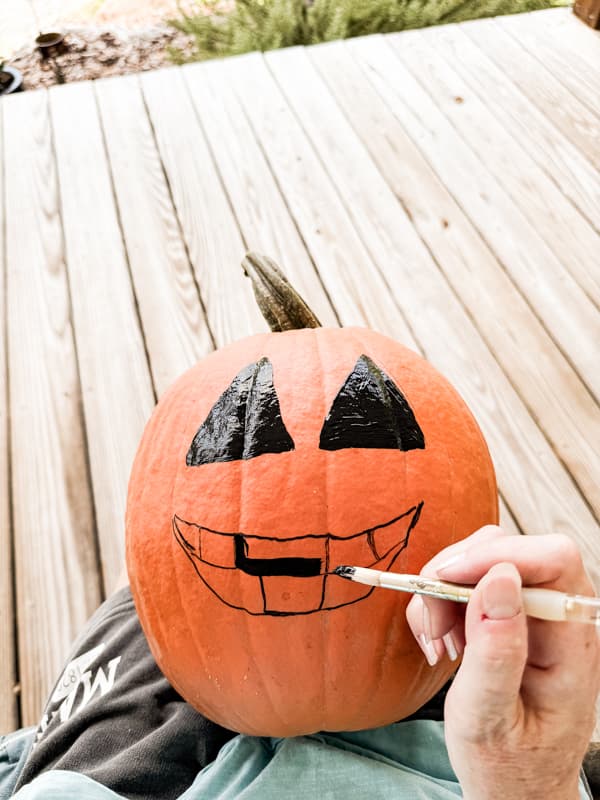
{"points": [[488, 682]]}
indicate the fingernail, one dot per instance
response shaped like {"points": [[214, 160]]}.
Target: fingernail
{"points": [[429, 650], [448, 641], [450, 562], [426, 623], [501, 592]]}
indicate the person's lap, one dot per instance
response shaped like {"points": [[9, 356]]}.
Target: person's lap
{"points": [[114, 717], [14, 749]]}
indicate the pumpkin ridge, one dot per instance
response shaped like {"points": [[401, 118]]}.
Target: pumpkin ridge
{"points": [[267, 690], [377, 677], [324, 646], [190, 624]]}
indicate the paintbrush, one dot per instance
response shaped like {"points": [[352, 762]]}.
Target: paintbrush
{"points": [[541, 603]]}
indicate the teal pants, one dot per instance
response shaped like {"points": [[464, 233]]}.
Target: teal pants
{"points": [[14, 749]]}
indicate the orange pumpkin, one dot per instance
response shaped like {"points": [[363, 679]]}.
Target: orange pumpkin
{"points": [[264, 467]]}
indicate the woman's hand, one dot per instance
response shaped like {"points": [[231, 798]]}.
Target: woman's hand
{"points": [[520, 712]]}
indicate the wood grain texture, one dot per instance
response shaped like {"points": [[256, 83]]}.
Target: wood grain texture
{"points": [[55, 552], [542, 200], [8, 677], [259, 206], [507, 520], [567, 313], [117, 391], [530, 475], [552, 391], [213, 239], [588, 11], [568, 31], [572, 117], [552, 48], [361, 291], [553, 152], [175, 329]]}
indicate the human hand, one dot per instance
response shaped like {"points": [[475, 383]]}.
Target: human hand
{"points": [[520, 712]]}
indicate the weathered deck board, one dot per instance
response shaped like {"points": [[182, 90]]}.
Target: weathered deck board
{"points": [[209, 227], [255, 197], [362, 294], [57, 577], [116, 387], [8, 698], [553, 152], [173, 320], [567, 63], [538, 371], [449, 339], [564, 230], [581, 39], [127, 220], [567, 313], [572, 117]]}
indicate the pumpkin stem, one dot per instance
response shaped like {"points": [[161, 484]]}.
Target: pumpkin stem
{"points": [[279, 302]]}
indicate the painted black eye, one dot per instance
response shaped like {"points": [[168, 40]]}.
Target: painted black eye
{"points": [[370, 411], [245, 422]]}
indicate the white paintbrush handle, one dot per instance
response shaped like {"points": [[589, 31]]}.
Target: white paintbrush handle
{"points": [[545, 604], [541, 603]]}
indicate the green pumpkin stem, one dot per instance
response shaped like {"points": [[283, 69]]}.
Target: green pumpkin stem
{"points": [[279, 302]]}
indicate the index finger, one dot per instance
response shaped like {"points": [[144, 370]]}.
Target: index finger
{"points": [[554, 562], [444, 615], [551, 560]]}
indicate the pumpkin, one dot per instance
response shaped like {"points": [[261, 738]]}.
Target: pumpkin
{"points": [[265, 466]]}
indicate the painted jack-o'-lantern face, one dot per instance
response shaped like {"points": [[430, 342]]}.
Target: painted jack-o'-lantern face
{"points": [[263, 468], [369, 411]]}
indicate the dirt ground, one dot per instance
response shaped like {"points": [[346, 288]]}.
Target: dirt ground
{"points": [[102, 37], [21, 20]]}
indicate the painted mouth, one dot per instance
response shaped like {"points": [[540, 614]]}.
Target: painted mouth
{"points": [[264, 575]]}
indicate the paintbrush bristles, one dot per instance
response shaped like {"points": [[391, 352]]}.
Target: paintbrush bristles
{"points": [[344, 572]]}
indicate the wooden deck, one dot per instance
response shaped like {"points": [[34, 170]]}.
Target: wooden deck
{"points": [[441, 186]]}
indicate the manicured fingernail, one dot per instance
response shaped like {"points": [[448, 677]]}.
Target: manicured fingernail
{"points": [[501, 592], [448, 641], [450, 562], [426, 623], [429, 650]]}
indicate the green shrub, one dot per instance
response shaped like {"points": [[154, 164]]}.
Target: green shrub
{"points": [[248, 25]]}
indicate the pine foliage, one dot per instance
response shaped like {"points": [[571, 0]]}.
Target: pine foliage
{"points": [[241, 26]]}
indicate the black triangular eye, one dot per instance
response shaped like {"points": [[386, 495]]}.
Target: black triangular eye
{"points": [[370, 411], [244, 422]]}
